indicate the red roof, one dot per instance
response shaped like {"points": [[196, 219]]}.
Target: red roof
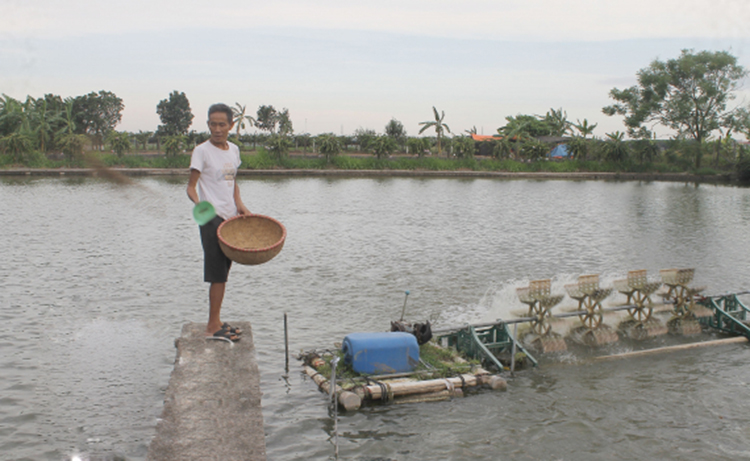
{"points": [[481, 137]]}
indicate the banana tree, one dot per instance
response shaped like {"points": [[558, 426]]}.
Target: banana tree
{"points": [[241, 121], [438, 125], [584, 128]]}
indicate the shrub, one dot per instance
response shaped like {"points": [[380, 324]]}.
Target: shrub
{"points": [[329, 145], [172, 145], [16, 145], [464, 147], [72, 145], [119, 142], [743, 168], [278, 146], [383, 146]]}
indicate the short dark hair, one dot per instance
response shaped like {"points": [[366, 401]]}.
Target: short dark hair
{"points": [[221, 108]]}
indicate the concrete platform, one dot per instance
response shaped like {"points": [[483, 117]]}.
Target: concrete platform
{"points": [[212, 406]]}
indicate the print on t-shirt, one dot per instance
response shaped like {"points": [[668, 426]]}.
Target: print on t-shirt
{"points": [[228, 172]]}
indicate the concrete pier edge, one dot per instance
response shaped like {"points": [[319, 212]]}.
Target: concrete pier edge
{"points": [[212, 406]]}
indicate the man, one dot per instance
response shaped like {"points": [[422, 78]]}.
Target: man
{"points": [[213, 169]]}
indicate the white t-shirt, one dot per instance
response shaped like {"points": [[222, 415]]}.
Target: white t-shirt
{"points": [[218, 170]]}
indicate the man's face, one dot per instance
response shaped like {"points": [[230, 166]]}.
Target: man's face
{"points": [[219, 126]]}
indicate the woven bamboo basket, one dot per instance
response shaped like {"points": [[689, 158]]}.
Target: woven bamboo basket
{"points": [[251, 239]]}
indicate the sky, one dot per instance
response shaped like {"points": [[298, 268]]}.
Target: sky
{"points": [[343, 65]]}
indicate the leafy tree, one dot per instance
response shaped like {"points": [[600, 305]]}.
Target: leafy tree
{"points": [[418, 146], [364, 138], [688, 94], [285, 123], [395, 130], [522, 127], [329, 145], [97, 114], [175, 115], [439, 126], [119, 142], [266, 119]]}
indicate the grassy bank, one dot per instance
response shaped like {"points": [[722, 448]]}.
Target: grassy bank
{"points": [[262, 160]]}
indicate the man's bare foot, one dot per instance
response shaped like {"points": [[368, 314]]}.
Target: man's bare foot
{"points": [[223, 333], [232, 329]]}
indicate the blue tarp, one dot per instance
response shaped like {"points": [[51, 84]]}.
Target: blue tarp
{"points": [[560, 151]]}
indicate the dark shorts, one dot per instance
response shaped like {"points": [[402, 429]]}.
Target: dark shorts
{"points": [[215, 264]]}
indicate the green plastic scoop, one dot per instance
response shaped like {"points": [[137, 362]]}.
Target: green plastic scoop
{"points": [[203, 212]]}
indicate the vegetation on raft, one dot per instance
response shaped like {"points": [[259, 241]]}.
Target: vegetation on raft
{"points": [[435, 362]]}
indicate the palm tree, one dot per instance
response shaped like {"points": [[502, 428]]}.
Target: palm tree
{"points": [[143, 137], [11, 115], [119, 141], [584, 128], [329, 145], [557, 120], [44, 119], [240, 118], [69, 124], [615, 148], [437, 124]]}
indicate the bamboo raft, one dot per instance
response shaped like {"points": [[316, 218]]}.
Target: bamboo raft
{"points": [[415, 387], [491, 346]]}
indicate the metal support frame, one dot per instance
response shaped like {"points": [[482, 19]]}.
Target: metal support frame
{"points": [[480, 342], [730, 314]]}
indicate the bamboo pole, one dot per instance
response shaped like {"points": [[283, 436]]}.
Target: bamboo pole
{"points": [[398, 389], [431, 397], [349, 400], [680, 347]]}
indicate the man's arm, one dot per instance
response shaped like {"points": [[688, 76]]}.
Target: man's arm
{"points": [[241, 208], [192, 182]]}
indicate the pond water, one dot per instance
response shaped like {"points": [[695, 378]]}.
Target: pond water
{"points": [[97, 280]]}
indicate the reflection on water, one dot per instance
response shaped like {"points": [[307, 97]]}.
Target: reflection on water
{"points": [[98, 280]]}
